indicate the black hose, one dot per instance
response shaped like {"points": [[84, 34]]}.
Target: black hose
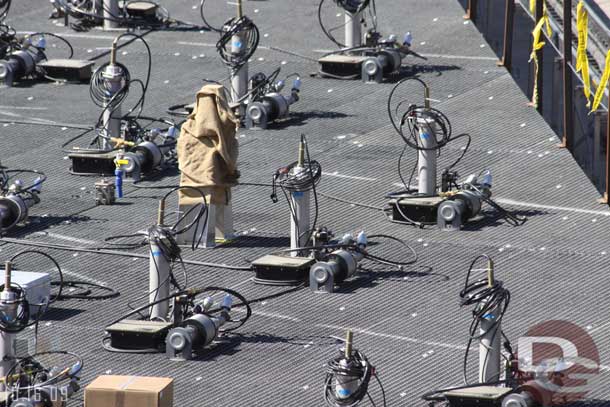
{"points": [[250, 37]]}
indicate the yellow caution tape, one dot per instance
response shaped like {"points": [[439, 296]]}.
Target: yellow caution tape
{"points": [[536, 46], [532, 6], [599, 94], [582, 62]]}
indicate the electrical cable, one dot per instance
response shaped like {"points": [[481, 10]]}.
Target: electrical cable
{"points": [[62, 283], [89, 16], [291, 181], [31, 368], [205, 21], [248, 31], [111, 252], [350, 6], [486, 296], [356, 368], [5, 6], [190, 293]]}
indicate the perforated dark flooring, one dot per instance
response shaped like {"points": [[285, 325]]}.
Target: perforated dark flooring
{"points": [[408, 322]]}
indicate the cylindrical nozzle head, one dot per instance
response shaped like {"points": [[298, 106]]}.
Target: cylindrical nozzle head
{"points": [[8, 266], [348, 344], [240, 10], [227, 302], [296, 84], [161, 214], [301, 159], [113, 51], [490, 273]]}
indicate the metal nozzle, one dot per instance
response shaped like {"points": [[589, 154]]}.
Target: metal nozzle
{"points": [[8, 266], [113, 51], [240, 10], [301, 159], [490, 273], [161, 214], [426, 97], [348, 344]]}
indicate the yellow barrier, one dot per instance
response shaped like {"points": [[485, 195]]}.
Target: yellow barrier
{"points": [[582, 63], [536, 46]]}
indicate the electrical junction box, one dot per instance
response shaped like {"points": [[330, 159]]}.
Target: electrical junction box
{"points": [[281, 270], [37, 287], [73, 70], [130, 391], [481, 396], [418, 209], [134, 334], [342, 65], [92, 163]]}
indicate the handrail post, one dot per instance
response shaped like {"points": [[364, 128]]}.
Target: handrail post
{"points": [[471, 12], [507, 51], [568, 91], [540, 56]]}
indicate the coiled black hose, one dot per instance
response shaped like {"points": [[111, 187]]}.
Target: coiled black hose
{"points": [[250, 37], [486, 296], [360, 369], [5, 5]]}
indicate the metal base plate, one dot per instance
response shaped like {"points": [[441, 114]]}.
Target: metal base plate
{"points": [[68, 69], [419, 209], [281, 270], [483, 396], [341, 65]]}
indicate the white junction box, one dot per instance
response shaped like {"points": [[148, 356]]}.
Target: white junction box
{"points": [[37, 287]]}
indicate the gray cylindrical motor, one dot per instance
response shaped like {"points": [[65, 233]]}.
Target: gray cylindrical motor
{"points": [[341, 265], [148, 155], [523, 399], [14, 207], [385, 62], [196, 332], [464, 205], [20, 63], [273, 106]]}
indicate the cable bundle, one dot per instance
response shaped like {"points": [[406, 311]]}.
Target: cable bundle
{"points": [[359, 369], [486, 299], [248, 31], [353, 7], [422, 113], [5, 5]]}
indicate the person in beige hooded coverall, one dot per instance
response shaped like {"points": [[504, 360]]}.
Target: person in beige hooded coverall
{"points": [[207, 158]]}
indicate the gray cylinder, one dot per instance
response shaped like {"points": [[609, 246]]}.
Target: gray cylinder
{"points": [[523, 399], [490, 347]]}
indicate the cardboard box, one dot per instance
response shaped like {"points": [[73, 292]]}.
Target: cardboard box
{"points": [[130, 391]]}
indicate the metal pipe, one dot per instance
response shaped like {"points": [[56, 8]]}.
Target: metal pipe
{"points": [[348, 344], [507, 51], [161, 213], [540, 55], [8, 266], [568, 89], [111, 14], [471, 12], [240, 9], [490, 347], [353, 30], [607, 192], [158, 282]]}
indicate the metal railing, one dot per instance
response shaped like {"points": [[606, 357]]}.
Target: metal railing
{"points": [[507, 26]]}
